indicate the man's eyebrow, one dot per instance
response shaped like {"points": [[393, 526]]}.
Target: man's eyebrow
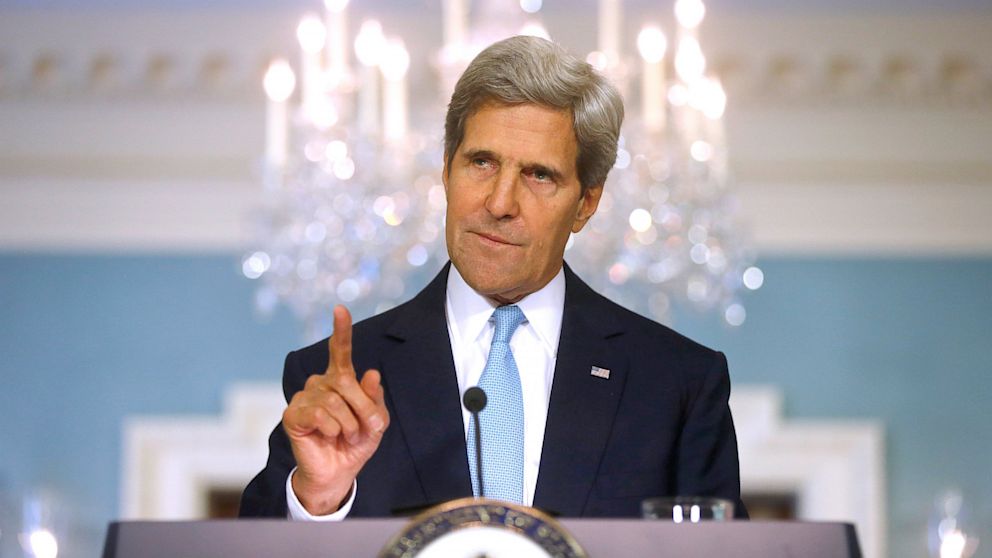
{"points": [[478, 154], [482, 153]]}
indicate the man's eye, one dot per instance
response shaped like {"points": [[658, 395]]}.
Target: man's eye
{"points": [[481, 163], [541, 175]]}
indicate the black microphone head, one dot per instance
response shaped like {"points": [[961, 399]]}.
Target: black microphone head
{"points": [[474, 399]]}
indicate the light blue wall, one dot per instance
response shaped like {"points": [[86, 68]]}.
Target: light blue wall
{"points": [[904, 341], [88, 340]]}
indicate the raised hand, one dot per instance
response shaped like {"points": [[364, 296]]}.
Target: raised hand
{"points": [[334, 425]]}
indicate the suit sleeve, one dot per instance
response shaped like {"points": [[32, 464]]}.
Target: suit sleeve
{"points": [[708, 463], [265, 495]]}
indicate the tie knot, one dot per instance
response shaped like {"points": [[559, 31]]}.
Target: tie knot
{"points": [[507, 320]]}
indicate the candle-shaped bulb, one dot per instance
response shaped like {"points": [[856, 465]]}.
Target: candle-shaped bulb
{"points": [[336, 22], [708, 96], [370, 43], [455, 22], [678, 95], [689, 60], [335, 5], [610, 19], [279, 81], [394, 66], [535, 29], [652, 44], [598, 60], [395, 60], [690, 13], [311, 33]]}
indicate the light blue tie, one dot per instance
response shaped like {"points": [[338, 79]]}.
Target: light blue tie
{"points": [[502, 421]]}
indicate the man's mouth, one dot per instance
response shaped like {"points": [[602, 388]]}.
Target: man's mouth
{"points": [[496, 239]]}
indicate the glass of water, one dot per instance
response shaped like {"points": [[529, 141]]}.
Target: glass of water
{"points": [[688, 509]]}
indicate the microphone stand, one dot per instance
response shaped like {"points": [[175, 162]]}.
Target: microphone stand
{"points": [[475, 401]]}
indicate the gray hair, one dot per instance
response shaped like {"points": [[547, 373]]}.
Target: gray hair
{"points": [[534, 70]]}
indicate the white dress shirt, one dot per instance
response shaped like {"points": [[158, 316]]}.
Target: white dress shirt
{"points": [[470, 329]]}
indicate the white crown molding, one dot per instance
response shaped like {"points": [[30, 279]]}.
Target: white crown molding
{"points": [[153, 122], [861, 60], [835, 469]]}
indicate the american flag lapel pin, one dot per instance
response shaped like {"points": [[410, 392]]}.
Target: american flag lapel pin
{"points": [[603, 373]]}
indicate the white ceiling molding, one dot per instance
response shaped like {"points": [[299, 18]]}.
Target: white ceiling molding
{"points": [[848, 135], [197, 55]]}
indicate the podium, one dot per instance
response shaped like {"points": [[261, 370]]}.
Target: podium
{"points": [[366, 537]]}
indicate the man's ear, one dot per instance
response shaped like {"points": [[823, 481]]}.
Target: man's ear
{"points": [[444, 173], [587, 206]]}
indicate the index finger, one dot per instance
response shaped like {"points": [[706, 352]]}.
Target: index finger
{"points": [[339, 344]]}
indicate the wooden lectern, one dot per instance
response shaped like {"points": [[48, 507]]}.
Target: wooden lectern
{"points": [[366, 537]]}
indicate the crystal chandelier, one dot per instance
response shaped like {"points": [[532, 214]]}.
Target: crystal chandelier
{"points": [[354, 203]]}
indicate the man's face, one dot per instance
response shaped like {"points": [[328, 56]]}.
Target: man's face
{"points": [[513, 198]]}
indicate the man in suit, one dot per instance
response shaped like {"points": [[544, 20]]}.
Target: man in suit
{"points": [[592, 408]]}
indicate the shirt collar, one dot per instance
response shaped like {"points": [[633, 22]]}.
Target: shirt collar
{"points": [[543, 309]]}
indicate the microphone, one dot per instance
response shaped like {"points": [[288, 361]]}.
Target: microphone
{"points": [[475, 401]]}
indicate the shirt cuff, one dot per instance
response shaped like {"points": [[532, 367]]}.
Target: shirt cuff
{"points": [[298, 513]]}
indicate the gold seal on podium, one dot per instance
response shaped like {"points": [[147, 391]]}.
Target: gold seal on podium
{"points": [[479, 527]]}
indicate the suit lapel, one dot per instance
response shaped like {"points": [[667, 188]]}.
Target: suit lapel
{"points": [[582, 406], [419, 377]]}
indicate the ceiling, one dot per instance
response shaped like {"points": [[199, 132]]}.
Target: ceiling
{"points": [[735, 6]]}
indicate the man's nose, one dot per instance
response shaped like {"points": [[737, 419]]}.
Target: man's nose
{"points": [[502, 200]]}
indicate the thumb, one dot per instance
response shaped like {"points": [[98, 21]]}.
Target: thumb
{"points": [[372, 386]]}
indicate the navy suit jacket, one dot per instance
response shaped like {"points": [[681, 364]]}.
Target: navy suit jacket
{"points": [[658, 426]]}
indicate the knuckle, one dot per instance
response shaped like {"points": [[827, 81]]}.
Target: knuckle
{"points": [[312, 382], [331, 429], [298, 402], [325, 422], [366, 409], [341, 381], [334, 401], [313, 414]]}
